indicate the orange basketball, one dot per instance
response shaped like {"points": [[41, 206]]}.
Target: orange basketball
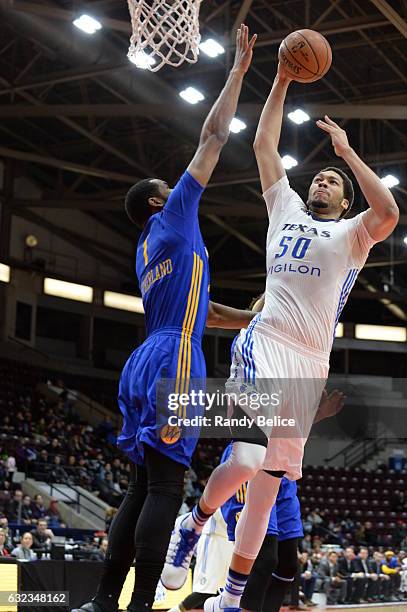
{"points": [[306, 55]]}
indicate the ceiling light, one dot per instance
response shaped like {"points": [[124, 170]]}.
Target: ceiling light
{"points": [[4, 273], [69, 291], [123, 301], [87, 24], [142, 60], [339, 330], [380, 332], [236, 125], [389, 181], [298, 116], [192, 95], [405, 239], [211, 48], [289, 162]]}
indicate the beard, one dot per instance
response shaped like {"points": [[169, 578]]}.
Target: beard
{"points": [[315, 204]]}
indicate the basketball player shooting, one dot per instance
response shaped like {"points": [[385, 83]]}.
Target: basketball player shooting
{"points": [[314, 255], [173, 272]]}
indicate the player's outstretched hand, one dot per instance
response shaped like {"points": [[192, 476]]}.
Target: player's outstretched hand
{"points": [[244, 49], [338, 136], [331, 404]]}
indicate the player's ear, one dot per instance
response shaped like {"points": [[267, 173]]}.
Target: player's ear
{"points": [[345, 204], [156, 202]]}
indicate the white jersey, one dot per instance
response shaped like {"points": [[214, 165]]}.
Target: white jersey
{"points": [[312, 265]]}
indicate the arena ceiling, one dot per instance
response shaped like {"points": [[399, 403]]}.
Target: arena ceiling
{"points": [[84, 123]]}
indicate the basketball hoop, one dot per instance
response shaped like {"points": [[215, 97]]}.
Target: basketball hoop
{"points": [[164, 32]]}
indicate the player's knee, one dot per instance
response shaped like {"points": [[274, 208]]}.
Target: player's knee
{"points": [[287, 568], [267, 559]]}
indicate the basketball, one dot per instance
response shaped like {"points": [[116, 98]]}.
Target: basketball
{"points": [[306, 55]]}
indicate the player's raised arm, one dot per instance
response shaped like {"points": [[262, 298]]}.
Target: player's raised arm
{"points": [[383, 215], [268, 132], [215, 131]]}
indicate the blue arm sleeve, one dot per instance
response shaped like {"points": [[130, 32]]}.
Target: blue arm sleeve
{"points": [[181, 208]]}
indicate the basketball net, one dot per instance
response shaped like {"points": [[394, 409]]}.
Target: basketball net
{"points": [[164, 32]]}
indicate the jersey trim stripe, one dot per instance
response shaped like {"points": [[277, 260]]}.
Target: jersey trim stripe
{"points": [[145, 251], [346, 289], [184, 354], [247, 353]]}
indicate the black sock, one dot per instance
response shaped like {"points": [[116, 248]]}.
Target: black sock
{"points": [[121, 550], [165, 488]]}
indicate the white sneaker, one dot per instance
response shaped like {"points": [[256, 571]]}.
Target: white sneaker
{"points": [[215, 604], [179, 555]]}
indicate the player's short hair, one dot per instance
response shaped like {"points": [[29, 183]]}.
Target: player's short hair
{"points": [[136, 201], [348, 191]]}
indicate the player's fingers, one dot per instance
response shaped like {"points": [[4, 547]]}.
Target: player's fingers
{"points": [[245, 35], [329, 120], [324, 126], [252, 41]]}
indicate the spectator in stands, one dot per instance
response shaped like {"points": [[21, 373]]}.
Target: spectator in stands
{"points": [[4, 551], [15, 507], [308, 578], [23, 551], [26, 511], [5, 495], [57, 472], [42, 536], [100, 553], [5, 528], [333, 585], [55, 518], [38, 508], [355, 580], [391, 568], [380, 589], [306, 544], [403, 574], [363, 567]]}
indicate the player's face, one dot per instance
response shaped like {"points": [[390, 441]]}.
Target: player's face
{"points": [[325, 194], [163, 189]]}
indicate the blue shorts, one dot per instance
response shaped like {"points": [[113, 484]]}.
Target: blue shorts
{"points": [[285, 517], [147, 379]]}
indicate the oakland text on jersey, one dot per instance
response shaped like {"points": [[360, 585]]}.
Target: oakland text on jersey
{"points": [[293, 267], [306, 229], [156, 273]]}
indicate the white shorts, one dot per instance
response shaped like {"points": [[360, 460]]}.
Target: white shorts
{"points": [[279, 383], [213, 556]]}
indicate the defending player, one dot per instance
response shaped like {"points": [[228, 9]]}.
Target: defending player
{"points": [[173, 273], [313, 258]]}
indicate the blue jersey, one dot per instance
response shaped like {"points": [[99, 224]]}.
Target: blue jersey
{"points": [[173, 273], [172, 264]]}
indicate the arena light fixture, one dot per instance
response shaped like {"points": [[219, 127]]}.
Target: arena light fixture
{"points": [[390, 181], [237, 125], [4, 273], [69, 291], [211, 48], [339, 331], [122, 301], [191, 95], [405, 240], [142, 60], [87, 24], [298, 116], [289, 162], [380, 332]]}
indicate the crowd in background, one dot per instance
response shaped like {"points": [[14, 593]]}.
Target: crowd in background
{"points": [[49, 442]]}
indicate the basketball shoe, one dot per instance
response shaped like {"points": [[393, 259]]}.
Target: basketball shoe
{"points": [[179, 555]]}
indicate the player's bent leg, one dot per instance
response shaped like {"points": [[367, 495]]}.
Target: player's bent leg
{"points": [[283, 575], [121, 550], [243, 463], [164, 498], [250, 532], [260, 576]]}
